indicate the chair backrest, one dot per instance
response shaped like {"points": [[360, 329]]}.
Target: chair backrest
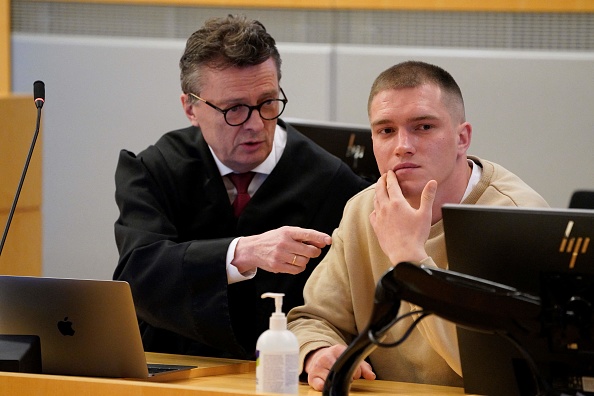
{"points": [[351, 143], [582, 199]]}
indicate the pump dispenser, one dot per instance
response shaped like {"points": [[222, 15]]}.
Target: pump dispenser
{"points": [[277, 354]]}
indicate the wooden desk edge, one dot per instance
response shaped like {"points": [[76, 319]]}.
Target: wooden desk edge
{"points": [[214, 377], [204, 366]]}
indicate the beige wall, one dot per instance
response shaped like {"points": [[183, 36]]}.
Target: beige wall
{"points": [[530, 112]]}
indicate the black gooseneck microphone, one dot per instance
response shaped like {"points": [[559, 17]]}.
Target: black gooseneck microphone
{"points": [[39, 96]]}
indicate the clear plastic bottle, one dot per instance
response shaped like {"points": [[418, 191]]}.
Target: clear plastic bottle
{"points": [[277, 354]]}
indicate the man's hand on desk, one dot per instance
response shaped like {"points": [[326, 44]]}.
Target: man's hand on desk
{"points": [[285, 249], [318, 364]]}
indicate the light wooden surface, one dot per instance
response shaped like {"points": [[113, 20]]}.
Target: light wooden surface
{"points": [[238, 379], [22, 251]]}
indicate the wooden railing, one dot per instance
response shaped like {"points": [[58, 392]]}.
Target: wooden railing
{"points": [[426, 5], [569, 6]]}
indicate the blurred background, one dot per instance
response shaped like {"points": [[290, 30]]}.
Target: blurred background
{"points": [[112, 82]]}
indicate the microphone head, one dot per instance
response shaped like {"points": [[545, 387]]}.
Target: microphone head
{"points": [[39, 93]]}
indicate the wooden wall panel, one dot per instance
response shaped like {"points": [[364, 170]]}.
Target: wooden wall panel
{"points": [[22, 251]]}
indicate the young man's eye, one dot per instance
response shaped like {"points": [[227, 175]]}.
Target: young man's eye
{"points": [[425, 127], [386, 131]]}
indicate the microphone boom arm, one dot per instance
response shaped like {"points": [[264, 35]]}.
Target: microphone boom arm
{"points": [[468, 301]]}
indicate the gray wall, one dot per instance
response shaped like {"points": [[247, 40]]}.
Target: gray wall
{"points": [[531, 112]]}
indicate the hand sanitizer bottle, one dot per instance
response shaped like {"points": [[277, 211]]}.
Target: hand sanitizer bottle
{"points": [[277, 354]]}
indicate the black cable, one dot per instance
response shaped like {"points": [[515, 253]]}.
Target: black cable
{"points": [[542, 386], [540, 382], [423, 315]]}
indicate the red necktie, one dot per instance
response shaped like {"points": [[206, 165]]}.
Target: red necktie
{"points": [[241, 181]]}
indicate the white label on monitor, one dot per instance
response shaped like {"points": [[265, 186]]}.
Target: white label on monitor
{"points": [[588, 384]]}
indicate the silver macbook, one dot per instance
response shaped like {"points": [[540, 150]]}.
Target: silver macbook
{"points": [[86, 327]]}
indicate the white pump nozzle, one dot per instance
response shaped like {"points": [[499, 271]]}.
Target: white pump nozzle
{"points": [[278, 321], [278, 300]]}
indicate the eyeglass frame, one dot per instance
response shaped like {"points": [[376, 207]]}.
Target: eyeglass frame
{"points": [[251, 108]]}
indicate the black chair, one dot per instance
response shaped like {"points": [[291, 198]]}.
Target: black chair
{"points": [[351, 143], [582, 199]]}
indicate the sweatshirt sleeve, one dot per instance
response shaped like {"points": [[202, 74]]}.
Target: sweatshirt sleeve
{"points": [[440, 333], [326, 318]]}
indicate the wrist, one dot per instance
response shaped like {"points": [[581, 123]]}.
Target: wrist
{"points": [[411, 258], [238, 255]]}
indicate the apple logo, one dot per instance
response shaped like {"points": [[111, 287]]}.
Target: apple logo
{"points": [[65, 327]]}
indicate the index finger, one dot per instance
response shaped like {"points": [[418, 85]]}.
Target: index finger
{"points": [[313, 237], [381, 186], [392, 184], [387, 186]]}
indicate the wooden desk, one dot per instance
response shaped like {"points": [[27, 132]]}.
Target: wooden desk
{"points": [[239, 380]]}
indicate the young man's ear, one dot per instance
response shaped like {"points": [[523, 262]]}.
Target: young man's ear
{"points": [[465, 134]]}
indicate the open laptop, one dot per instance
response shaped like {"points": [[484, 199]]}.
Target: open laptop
{"points": [[86, 327], [548, 253]]}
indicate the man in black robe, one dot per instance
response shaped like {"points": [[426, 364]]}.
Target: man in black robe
{"points": [[196, 260]]}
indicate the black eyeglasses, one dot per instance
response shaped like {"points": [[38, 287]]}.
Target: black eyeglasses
{"points": [[236, 115]]}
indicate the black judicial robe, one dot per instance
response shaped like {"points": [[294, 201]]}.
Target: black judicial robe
{"points": [[175, 226]]}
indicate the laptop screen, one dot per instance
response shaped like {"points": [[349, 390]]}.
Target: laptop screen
{"points": [[545, 252], [86, 327]]}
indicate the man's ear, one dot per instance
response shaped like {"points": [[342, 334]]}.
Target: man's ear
{"points": [[189, 109], [464, 136]]}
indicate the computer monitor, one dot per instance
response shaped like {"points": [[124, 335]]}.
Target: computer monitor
{"points": [[545, 252], [351, 143]]}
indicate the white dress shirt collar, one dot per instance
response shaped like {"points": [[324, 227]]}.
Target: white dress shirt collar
{"points": [[266, 167]]}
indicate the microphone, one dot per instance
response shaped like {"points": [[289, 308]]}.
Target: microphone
{"points": [[39, 95]]}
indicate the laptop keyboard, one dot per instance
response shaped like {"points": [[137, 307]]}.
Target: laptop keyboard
{"points": [[155, 369]]}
